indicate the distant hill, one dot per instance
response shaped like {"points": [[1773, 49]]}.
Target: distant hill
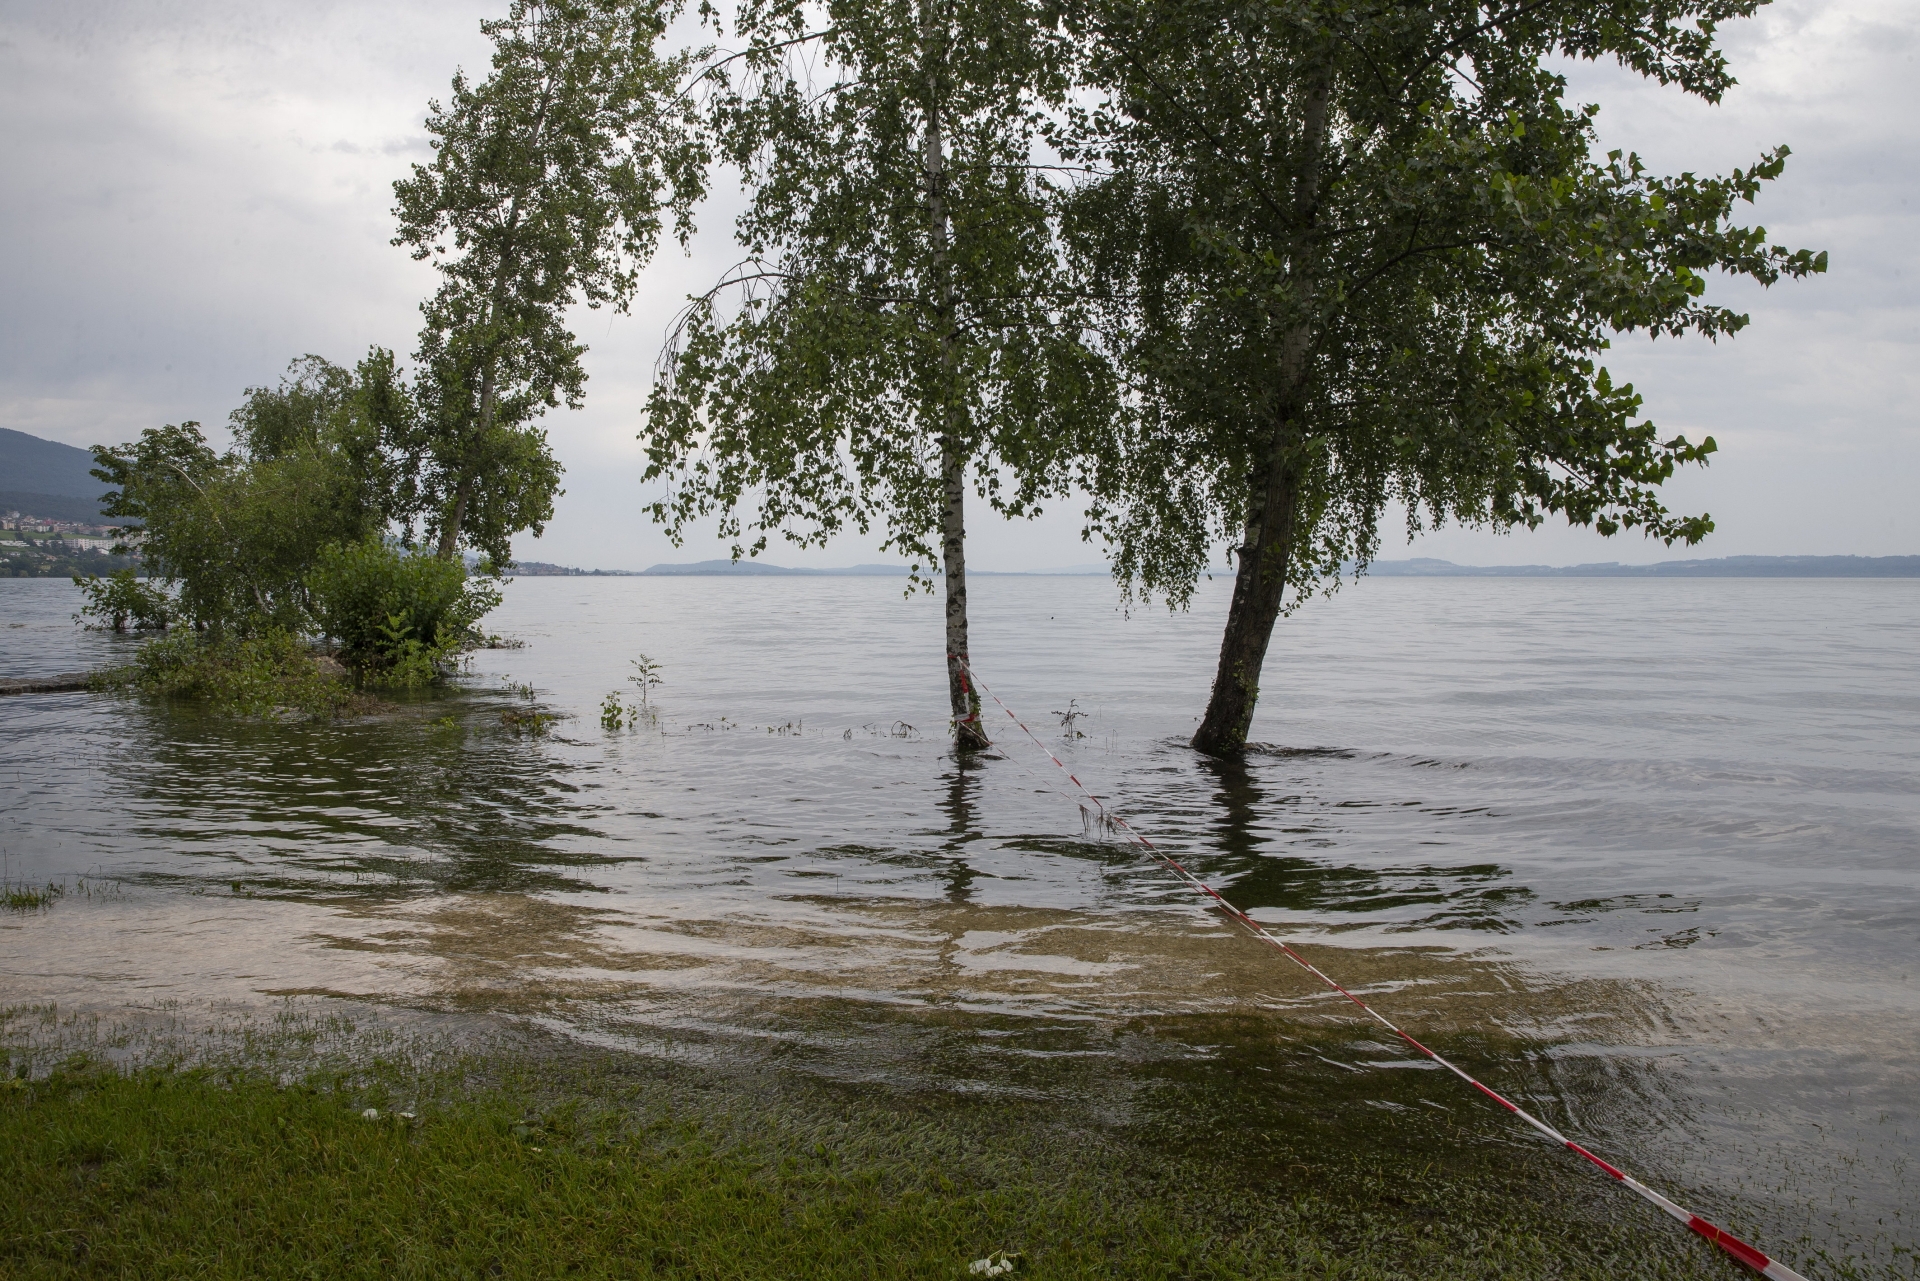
{"points": [[46, 478], [1725, 567], [547, 569], [50, 506], [32, 465], [760, 569]]}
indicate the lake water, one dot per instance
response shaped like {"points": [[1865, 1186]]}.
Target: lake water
{"points": [[1644, 853]]}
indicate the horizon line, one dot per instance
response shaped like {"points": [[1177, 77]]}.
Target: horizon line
{"points": [[1792, 566]]}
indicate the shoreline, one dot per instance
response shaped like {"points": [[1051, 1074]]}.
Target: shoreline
{"points": [[245, 1145]]}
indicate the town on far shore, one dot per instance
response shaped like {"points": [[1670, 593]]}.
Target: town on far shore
{"points": [[34, 546]]}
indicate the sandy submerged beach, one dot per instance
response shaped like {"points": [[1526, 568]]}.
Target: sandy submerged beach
{"points": [[1659, 900]]}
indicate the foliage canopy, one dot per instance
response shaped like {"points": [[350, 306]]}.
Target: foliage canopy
{"points": [[120, 602], [550, 184], [399, 616], [238, 532], [1359, 252], [900, 298]]}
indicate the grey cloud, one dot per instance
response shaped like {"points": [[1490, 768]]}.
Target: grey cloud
{"points": [[199, 192]]}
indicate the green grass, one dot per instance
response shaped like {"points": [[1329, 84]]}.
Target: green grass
{"points": [[29, 898], [542, 1173], [268, 675]]}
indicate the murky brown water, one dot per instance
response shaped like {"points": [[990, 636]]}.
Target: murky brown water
{"points": [[1647, 854]]}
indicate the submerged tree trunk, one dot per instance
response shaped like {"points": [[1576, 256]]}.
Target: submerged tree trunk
{"points": [[968, 733], [1258, 588], [1274, 482]]}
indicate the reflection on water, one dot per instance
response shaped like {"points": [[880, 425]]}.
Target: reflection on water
{"points": [[400, 804], [1672, 902], [1474, 896]]}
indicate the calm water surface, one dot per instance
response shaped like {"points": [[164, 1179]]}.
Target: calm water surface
{"points": [[1647, 853]]}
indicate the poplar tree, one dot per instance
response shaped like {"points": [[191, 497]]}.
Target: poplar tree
{"points": [[550, 185], [896, 334], [1357, 252]]}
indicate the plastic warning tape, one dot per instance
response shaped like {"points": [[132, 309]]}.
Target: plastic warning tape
{"points": [[1757, 1260]]}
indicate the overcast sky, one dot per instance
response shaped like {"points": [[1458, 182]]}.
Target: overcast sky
{"points": [[199, 191]]}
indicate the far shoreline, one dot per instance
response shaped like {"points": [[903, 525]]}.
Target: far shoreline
{"points": [[1419, 567]]}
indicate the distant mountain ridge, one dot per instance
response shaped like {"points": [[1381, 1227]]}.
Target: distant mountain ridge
{"points": [[761, 569], [1422, 567], [46, 467], [547, 569], [46, 478], [1724, 567]]}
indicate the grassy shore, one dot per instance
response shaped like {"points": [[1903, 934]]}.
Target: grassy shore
{"points": [[524, 1164]]}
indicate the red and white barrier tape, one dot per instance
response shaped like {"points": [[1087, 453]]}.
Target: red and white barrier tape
{"points": [[1740, 1250]]}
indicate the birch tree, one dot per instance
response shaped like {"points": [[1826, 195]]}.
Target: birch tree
{"points": [[895, 336], [1355, 252], [550, 185]]}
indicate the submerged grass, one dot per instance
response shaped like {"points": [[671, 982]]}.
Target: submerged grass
{"points": [[30, 898], [545, 1161], [268, 675], [221, 1174]]}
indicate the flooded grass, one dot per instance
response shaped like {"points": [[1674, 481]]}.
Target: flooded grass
{"points": [[30, 898], [229, 1175], [249, 1151], [18, 896]]}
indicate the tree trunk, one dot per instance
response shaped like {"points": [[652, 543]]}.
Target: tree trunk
{"points": [[1273, 497], [463, 493], [968, 733], [1257, 591], [450, 529]]}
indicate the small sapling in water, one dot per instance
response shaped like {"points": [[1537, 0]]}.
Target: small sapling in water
{"points": [[646, 676]]}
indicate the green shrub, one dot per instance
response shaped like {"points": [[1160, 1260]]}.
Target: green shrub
{"points": [[121, 602], [399, 617], [269, 674], [237, 532]]}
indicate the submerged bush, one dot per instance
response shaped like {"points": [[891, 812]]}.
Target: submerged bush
{"points": [[264, 675], [280, 540], [121, 602], [399, 617], [236, 533]]}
